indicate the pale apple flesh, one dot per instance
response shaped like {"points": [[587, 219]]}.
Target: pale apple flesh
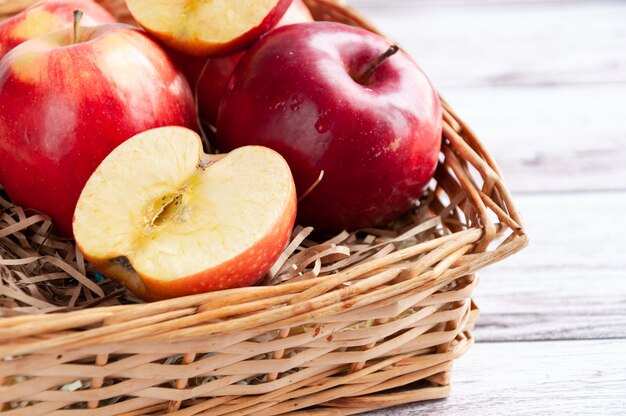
{"points": [[167, 220], [208, 28]]}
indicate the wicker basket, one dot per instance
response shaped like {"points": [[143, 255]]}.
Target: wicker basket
{"points": [[380, 333]]}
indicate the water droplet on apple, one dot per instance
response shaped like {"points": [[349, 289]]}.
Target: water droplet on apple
{"points": [[322, 125]]}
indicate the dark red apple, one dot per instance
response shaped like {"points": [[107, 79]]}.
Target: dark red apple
{"points": [[65, 103], [322, 95], [208, 83]]}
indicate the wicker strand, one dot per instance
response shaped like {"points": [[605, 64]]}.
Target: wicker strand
{"points": [[181, 383]]}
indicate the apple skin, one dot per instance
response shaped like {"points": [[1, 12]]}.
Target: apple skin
{"points": [[212, 84], [241, 271], [214, 78], [208, 84], [377, 145], [49, 16], [64, 108], [206, 49]]}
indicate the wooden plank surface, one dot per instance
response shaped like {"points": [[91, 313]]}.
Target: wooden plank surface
{"points": [[551, 139], [447, 3], [515, 43], [570, 283], [581, 378]]}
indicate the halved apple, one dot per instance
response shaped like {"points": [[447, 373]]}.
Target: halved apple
{"points": [[208, 27], [167, 220]]}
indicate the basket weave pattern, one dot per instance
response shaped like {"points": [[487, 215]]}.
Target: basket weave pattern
{"points": [[378, 334]]}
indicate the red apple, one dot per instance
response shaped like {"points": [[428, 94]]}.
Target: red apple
{"points": [[208, 84], [167, 220], [48, 16], [208, 28], [336, 99], [218, 70], [211, 85], [66, 103]]}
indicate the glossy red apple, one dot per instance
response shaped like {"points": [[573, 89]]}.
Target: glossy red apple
{"points": [[208, 28], [324, 96], [48, 16], [214, 77], [167, 220], [65, 103]]}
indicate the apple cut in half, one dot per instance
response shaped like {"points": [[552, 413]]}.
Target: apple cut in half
{"points": [[208, 28], [167, 220]]}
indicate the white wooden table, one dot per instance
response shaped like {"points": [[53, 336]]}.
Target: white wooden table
{"points": [[543, 82]]}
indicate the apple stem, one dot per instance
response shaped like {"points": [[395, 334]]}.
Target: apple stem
{"points": [[364, 76], [209, 159], [78, 15]]}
